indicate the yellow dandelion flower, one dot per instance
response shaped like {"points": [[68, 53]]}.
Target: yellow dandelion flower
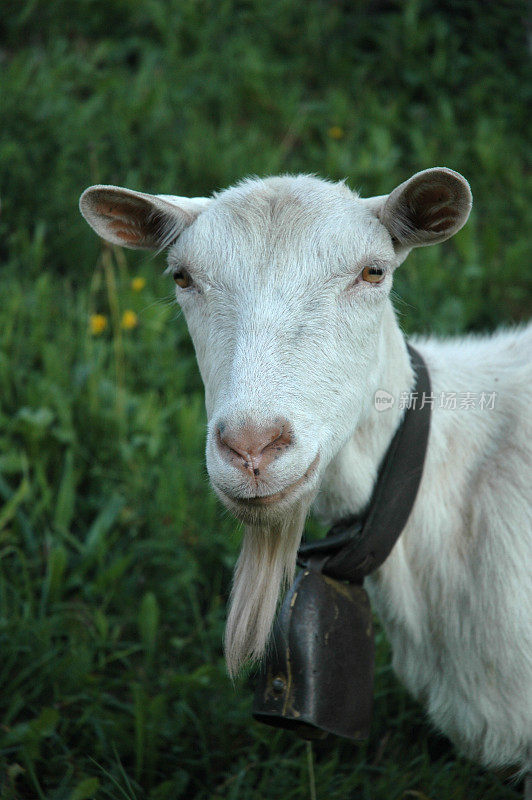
{"points": [[97, 324], [138, 283], [129, 320], [336, 132]]}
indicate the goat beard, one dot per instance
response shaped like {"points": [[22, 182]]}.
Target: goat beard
{"points": [[264, 569]]}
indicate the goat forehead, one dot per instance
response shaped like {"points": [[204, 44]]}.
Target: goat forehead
{"points": [[267, 226], [284, 199]]}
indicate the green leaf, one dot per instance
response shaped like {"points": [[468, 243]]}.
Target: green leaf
{"points": [[86, 789], [66, 496], [45, 724], [103, 524], [149, 621], [57, 561], [9, 510], [37, 418]]}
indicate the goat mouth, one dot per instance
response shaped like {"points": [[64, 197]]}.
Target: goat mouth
{"points": [[267, 499]]}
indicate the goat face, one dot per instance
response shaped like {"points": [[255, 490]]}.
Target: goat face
{"points": [[284, 285], [284, 329]]}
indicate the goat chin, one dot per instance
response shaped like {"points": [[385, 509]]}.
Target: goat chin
{"points": [[265, 567]]}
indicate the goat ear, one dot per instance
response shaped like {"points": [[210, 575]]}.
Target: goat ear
{"points": [[429, 207], [138, 220]]}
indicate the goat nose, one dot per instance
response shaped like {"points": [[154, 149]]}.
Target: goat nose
{"points": [[252, 448]]}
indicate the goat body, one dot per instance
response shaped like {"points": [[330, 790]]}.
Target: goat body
{"points": [[455, 594], [285, 284]]}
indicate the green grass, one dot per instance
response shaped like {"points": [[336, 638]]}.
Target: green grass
{"points": [[115, 557], [115, 563]]}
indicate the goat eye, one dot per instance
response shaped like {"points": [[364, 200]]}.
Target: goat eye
{"points": [[372, 274], [182, 278]]}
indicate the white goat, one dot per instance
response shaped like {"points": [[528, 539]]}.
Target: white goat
{"points": [[285, 286]]}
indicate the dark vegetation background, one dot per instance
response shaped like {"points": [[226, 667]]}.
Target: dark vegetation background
{"points": [[115, 559]]}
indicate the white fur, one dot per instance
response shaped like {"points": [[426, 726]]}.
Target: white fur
{"points": [[282, 327]]}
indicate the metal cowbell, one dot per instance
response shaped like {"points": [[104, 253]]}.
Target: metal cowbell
{"points": [[318, 675]]}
